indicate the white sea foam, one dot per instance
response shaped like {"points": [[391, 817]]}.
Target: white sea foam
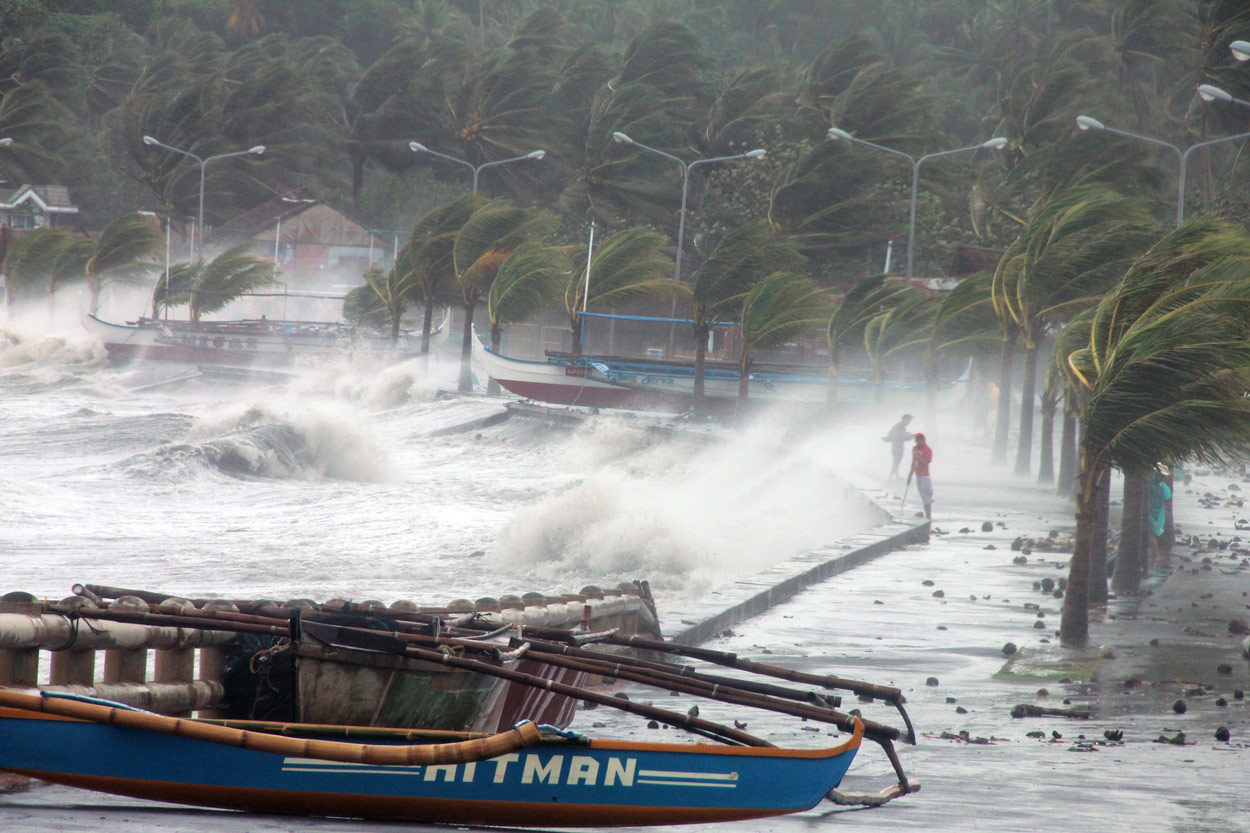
{"points": [[289, 439], [686, 514]]}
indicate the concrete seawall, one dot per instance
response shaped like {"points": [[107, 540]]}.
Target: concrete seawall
{"points": [[701, 620]]}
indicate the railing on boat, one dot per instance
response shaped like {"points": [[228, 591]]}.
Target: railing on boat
{"points": [[177, 670]]}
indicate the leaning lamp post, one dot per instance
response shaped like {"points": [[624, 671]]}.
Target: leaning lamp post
{"points": [[256, 150], [417, 147], [1209, 93], [1182, 155], [686, 167], [837, 134]]}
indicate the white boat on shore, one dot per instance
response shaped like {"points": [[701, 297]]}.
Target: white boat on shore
{"points": [[249, 342]]}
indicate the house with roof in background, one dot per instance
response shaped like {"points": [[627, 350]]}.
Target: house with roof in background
{"points": [[313, 246], [36, 206]]}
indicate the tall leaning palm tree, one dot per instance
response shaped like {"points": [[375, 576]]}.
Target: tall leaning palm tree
{"points": [[782, 307], [1072, 248], [488, 237], [125, 252], [1165, 372]]}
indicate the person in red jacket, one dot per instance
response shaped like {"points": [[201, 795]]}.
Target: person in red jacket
{"points": [[921, 456]]}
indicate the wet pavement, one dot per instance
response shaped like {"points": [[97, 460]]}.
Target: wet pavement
{"points": [[945, 610]]}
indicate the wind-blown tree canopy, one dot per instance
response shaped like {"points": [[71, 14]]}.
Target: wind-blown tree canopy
{"points": [[1073, 247], [849, 317], [206, 287], [964, 325], [490, 234], [902, 328], [526, 283], [336, 90], [423, 271], [625, 269], [781, 307], [741, 260], [1164, 373], [125, 252], [41, 262], [655, 97]]}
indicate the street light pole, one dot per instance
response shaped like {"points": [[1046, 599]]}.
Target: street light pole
{"points": [[758, 153], [417, 147], [686, 167], [257, 150], [1089, 123], [837, 134]]}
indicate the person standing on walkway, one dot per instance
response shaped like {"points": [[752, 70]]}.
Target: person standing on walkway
{"points": [[921, 456], [896, 437], [1157, 495]]}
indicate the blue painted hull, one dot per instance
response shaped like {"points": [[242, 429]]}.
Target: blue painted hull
{"points": [[555, 783]]}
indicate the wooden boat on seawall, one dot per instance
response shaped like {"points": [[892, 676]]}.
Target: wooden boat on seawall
{"points": [[248, 342], [522, 777], [264, 659]]}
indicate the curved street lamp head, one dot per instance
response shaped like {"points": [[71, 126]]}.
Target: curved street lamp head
{"points": [[148, 140], [537, 154], [758, 153], [1209, 92], [8, 140], [837, 133], [1089, 123], [618, 136], [258, 149], [1240, 50], [995, 143], [417, 147]]}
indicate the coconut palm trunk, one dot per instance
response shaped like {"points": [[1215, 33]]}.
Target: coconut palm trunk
{"points": [[697, 403], [1046, 449], [466, 348], [1024, 446], [1098, 548], [1067, 452], [1003, 425], [1130, 560], [427, 324], [496, 339], [831, 390], [1074, 622]]}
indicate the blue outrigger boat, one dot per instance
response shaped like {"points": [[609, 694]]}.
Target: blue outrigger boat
{"points": [[523, 777]]}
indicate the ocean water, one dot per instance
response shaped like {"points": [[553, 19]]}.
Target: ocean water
{"points": [[341, 481]]}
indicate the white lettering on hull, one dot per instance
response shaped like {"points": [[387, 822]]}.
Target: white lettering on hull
{"points": [[582, 771]]}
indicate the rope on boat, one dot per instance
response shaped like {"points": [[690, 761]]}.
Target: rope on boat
{"points": [[481, 749]]}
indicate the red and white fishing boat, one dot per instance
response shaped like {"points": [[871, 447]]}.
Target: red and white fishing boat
{"points": [[643, 384]]}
